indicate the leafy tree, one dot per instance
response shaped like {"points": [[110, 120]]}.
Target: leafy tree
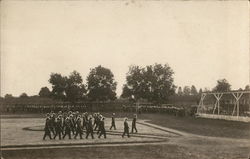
{"points": [[74, 89], [206, 89], [44, 92], [180, 93], [247, 88], [222, 86], [186, 90], [59, 84], [133, 89], [154, 83], [193, 90], [8, 96], [101, 84], [23, 95], [68, 88], [200, 91]]}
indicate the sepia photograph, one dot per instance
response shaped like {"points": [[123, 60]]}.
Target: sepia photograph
{"points": [[124, 79]]}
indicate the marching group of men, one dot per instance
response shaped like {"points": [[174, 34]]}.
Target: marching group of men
{"points": [[67, 123]]}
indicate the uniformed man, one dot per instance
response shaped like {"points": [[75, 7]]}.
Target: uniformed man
{"points": [[72, 123], [95, 120], [126, 128], [58, 127], [46, 129], [113, 122], [99, 122], [84, 121], [134, 124], [102, 128], [78, 127], [52, 122], [90, 128], [67, 128]]}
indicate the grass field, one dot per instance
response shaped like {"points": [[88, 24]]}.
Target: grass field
{"points": [[203, 139], [202, 126], [198, 126]]}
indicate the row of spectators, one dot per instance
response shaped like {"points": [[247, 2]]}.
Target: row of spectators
{"points": [[172, 110]]}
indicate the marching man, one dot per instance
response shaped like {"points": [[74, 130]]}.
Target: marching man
{"points": [[113, 122], [134, 124], [126, 128]]}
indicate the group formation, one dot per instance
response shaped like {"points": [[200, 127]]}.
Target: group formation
{"points": [[74, 123]]}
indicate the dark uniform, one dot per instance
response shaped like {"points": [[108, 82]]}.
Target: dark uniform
{"points": [[84, 121], [58, 128], [113, 123], [126, 129], [134, 125], [72, 124], [46, 129], [102, 129], [52, 124], [67, 128], [78, 128], [90, 129], [96, 121]]}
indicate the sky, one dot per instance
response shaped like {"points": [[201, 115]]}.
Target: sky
{"points": [[201, 41]]}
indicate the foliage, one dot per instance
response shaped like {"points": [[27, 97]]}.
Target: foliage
{"points": [[180, 93], [74, 90], [222, 86], [154, 83], [200, 91], [67, 88], [8, 96], [186, 90], [59, 84], [23, 95], [247, 88], [44, 92], [193, 90], [101, 84]]}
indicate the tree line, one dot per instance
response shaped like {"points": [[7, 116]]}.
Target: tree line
{"points": [[154, 83]]}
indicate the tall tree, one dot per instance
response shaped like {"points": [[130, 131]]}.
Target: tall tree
{"points": [[247, 88], [133, 89], [222, 86], [193, 90], [200, 91], [68, 88], [101, 84], [23, 95], [206, 89], [74, 89], [180, 93], [59, 84], [186, 90], [44, 92], [154, 83]]}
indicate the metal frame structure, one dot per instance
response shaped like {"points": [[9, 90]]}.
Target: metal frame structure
{"points": [[236, 94]]}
